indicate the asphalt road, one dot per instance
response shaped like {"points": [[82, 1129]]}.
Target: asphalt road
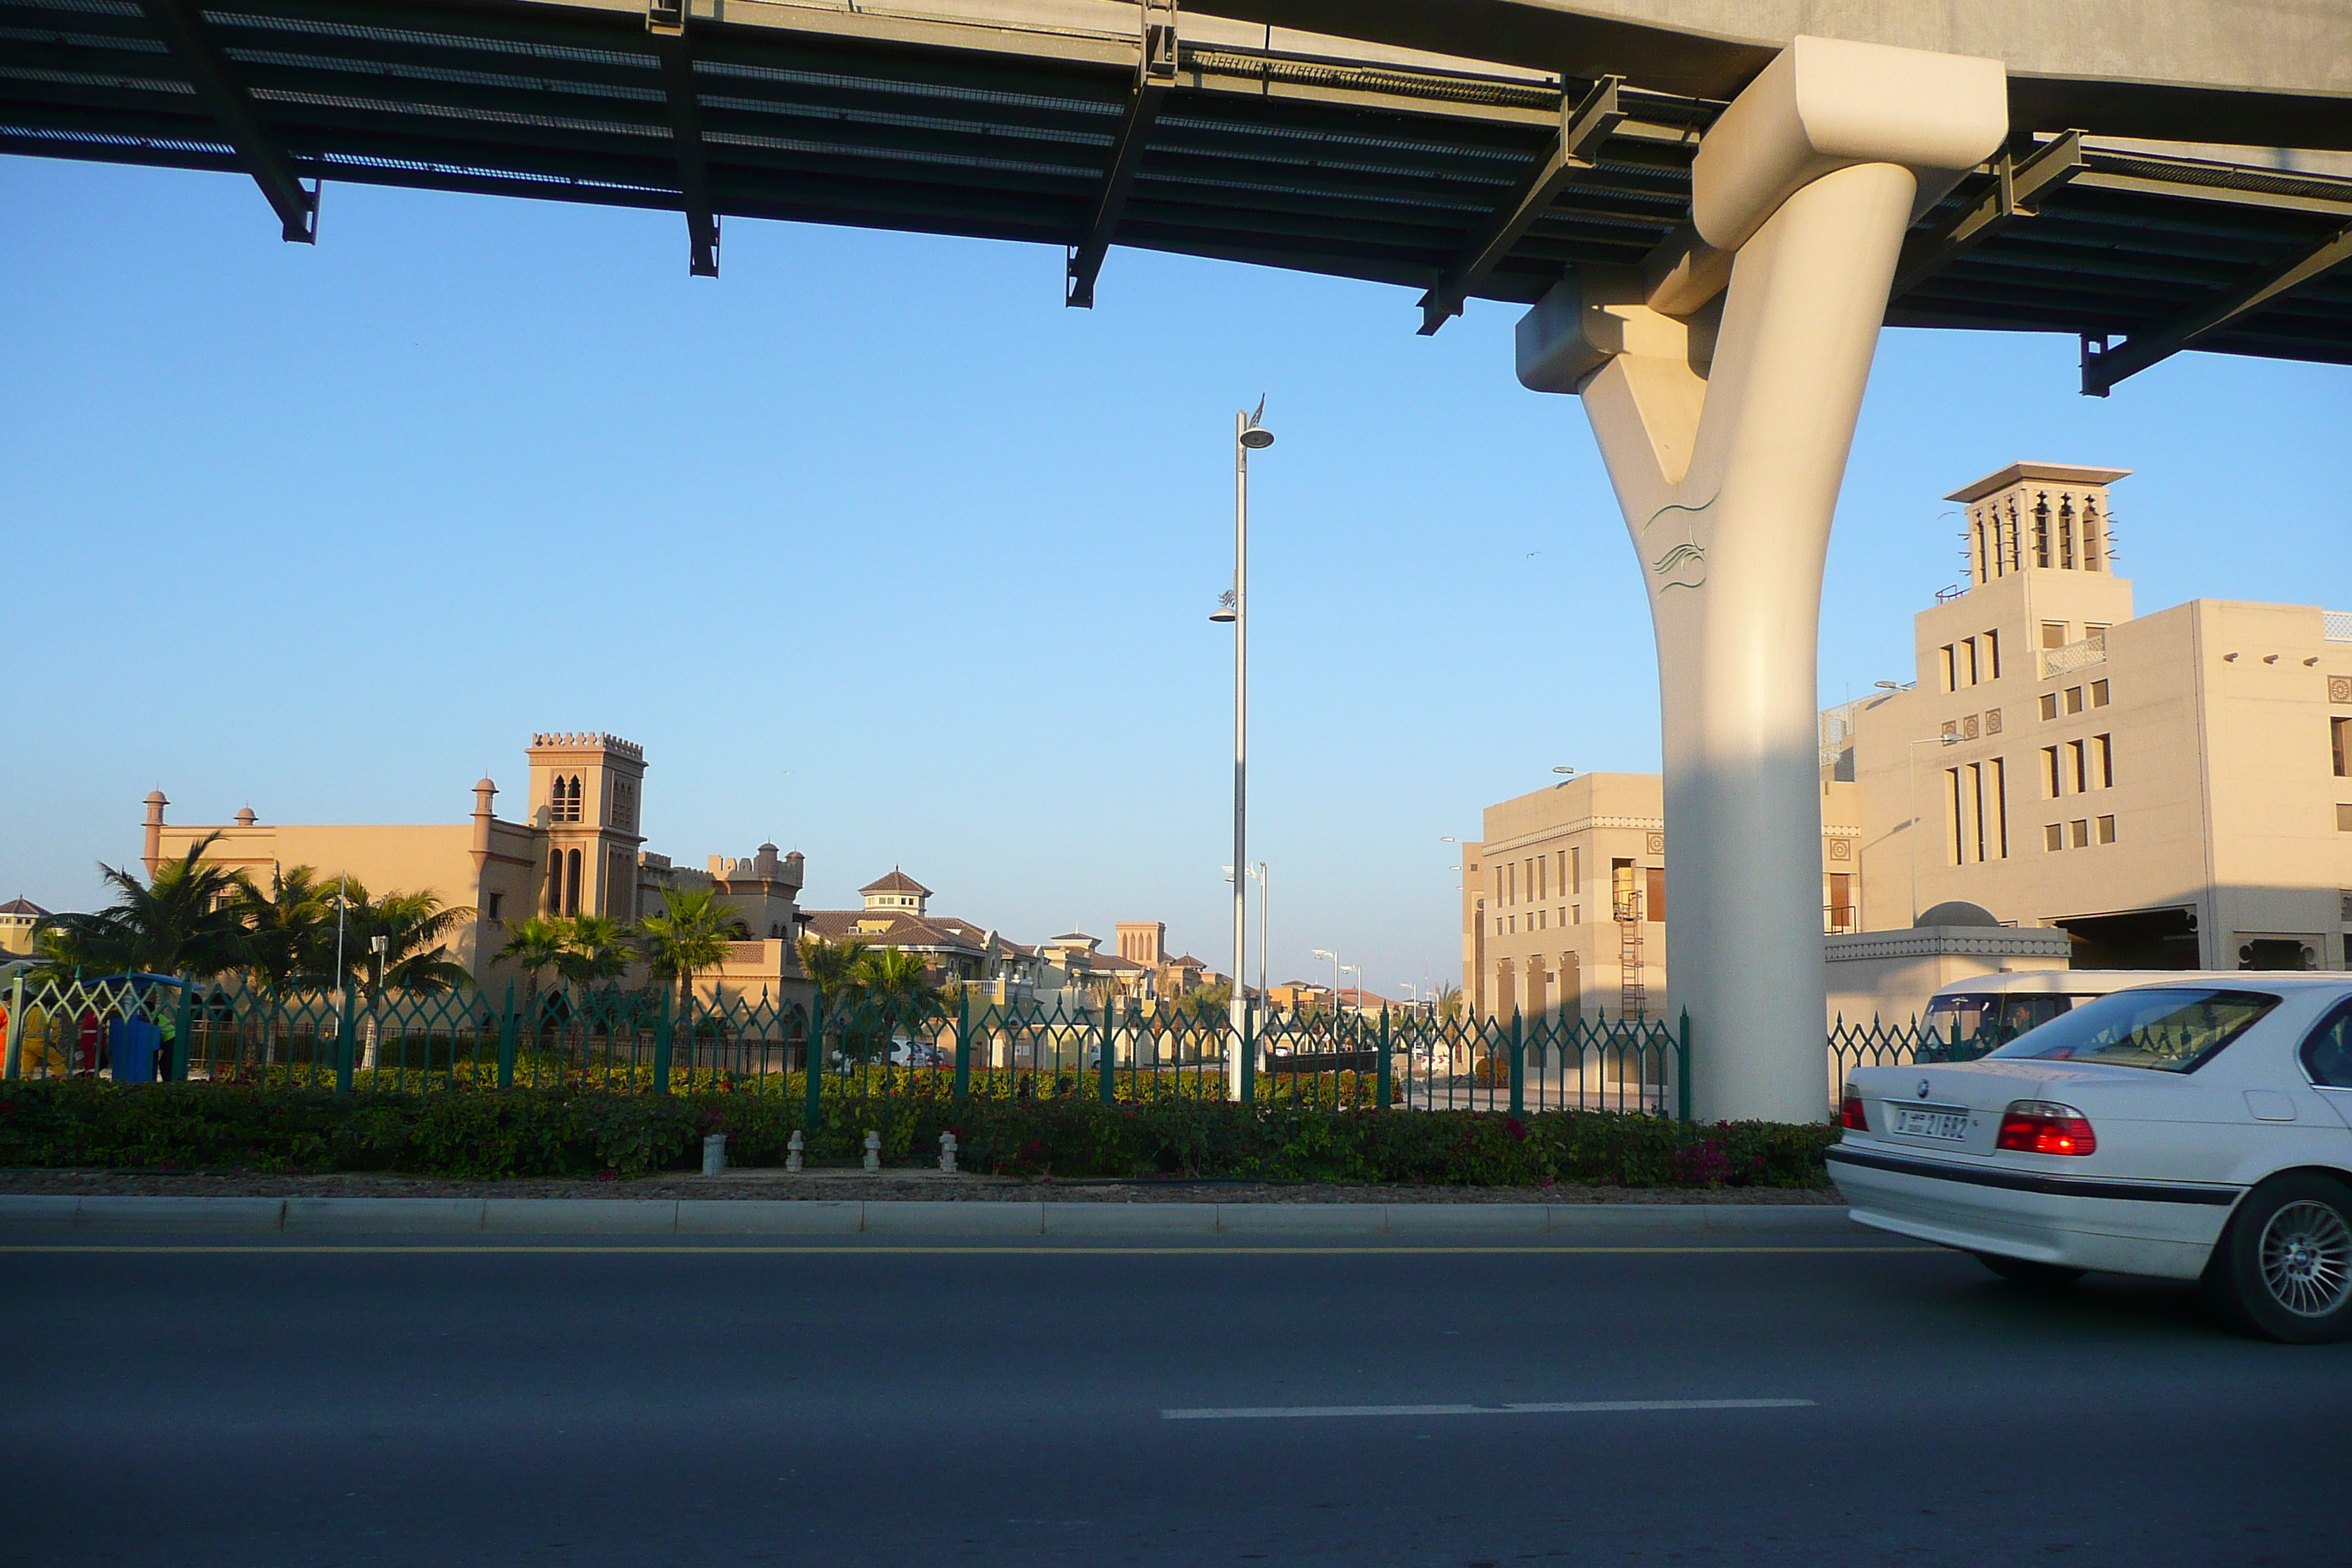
{"points": [[865, 1402]]}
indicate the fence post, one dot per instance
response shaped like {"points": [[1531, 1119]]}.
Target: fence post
{"points": [[16, 1062], [342, 1046], [1110, 1037], [661, 1045], [1249, 1051], [506, 1041], [963, 1042], [1384, 1100], [1519, 1064], [1682, 1069], [815, 1062], [180, 1027]]}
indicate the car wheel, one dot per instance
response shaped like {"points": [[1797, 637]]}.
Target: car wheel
{"points": [[2026, 1271], [2283, 1269]]}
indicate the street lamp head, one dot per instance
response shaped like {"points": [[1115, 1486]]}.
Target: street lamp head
{"points": [[1888, 685], [1257, 437], [1228, 608]]}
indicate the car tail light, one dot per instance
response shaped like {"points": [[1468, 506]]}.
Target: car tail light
{"points": [[1850, 1111], [2045, 1127]]}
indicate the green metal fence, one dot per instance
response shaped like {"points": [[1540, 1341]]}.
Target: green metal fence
{"points": [[1115, 1051], [1877, 1044]]}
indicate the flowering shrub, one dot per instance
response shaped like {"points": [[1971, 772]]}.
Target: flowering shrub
{"points": [[577, 1132]]}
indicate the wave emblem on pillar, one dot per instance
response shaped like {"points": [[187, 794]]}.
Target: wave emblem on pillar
{"points": [[1681, 562], [1723, 379]]}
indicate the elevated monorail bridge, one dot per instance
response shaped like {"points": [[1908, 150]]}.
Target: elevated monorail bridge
{"points": [[1090, 123]]}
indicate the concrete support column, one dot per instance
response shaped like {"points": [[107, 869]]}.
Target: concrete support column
{"points": [[1724, 427]]}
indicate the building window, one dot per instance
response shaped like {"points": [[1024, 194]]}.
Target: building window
{"points": [[2066, 533], [1656, 878], [496, 899], [1951, 669], [1539, 868], [2094, 629], [2080, 830], [1975, 674], [1956, 839], [2053, 633], [2344, 819], [555, 882], [2103, 749], [2078, 766], [2049, 705], [2042, 551], [2051, 788], [2106, 830], [572, 881], [2098, 694], [1840, 910], [2053, 837], [2339, 736], [1576, 870], [2001, 805], [1993, 653], [2074, 700]]}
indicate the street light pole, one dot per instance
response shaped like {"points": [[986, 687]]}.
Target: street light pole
{"points": [[1248, 435]]}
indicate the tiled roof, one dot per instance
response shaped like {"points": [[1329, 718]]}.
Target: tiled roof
{"points": [[22, 906], [898, 881], [896, 928]]}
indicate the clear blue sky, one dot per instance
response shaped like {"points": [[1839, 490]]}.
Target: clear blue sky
{"points": [[884, 554]]}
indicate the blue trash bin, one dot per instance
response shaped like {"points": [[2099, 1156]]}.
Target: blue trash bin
{"points": [[135, 1043]]}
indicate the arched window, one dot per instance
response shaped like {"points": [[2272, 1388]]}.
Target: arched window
{"points": [[2042, 530], [555, 882], [572, 881], [2066, 533]]}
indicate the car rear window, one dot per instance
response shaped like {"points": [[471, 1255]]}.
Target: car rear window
{"points": [[2169, 1029]]}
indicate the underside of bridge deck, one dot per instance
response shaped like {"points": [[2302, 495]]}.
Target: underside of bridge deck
{"points": [[1206, 138]]}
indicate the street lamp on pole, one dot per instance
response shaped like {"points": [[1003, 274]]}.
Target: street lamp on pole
{"points": [[1233, 608], [1326, 953]]}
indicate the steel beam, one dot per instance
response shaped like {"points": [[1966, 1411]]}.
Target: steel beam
{"points": [[668, 28], [1582, 129], [1155, 74], [2016, 192], [2103, 366], [182, 25]]}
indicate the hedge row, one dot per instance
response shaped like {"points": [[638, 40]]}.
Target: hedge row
{"points": [[578, 1132]]}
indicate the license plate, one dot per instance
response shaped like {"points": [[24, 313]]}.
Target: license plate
{"points": [[1948, 1124]]}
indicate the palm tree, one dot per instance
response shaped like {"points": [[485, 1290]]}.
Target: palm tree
{"points": [[836, 968], [284, 926], [595, 947], [415, 928], [534, 947], [186, 919], [900, 983], [688, 937]]}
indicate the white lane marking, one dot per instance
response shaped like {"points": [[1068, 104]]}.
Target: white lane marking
{"points": [[1564, 1407]]}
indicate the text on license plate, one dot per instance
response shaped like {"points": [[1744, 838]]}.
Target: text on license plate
{"points": [[1951, 1124]]}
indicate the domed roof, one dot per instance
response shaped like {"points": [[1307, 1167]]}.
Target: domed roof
{"points": [[1956, 912]]}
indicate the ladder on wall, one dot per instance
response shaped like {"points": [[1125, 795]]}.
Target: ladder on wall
{"points": [[1633, 995]]}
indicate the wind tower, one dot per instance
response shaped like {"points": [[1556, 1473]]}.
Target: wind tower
{"points": [[587, 791]]}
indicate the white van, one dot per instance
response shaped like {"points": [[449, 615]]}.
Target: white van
{"points": [[2013, 1004]]}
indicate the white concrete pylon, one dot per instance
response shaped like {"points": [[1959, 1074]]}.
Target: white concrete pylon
{"points": [[1726, 430]]}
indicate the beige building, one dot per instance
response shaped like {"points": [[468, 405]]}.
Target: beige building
{"points": [[577, 850], [17, 919], [1564, 897], [2066, 783], [2169, 790]]}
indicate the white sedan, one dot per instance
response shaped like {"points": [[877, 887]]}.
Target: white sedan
{"points": [[2189, 1130]]}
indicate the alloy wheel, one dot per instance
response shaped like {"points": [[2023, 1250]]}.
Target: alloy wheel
{"points": [[2307, 1259]]}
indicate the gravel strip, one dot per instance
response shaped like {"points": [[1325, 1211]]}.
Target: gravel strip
{"points": [[850, 1184]]}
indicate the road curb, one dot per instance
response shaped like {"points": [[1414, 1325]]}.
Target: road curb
{"points": [[909, 1216]]}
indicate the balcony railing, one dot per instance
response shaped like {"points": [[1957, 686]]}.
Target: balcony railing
{"points": [[1841, 919], [2079, 655]]}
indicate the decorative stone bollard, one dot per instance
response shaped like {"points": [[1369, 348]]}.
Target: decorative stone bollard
{"points": [[714, 1153], [946, 1153], [793, 1152], [873, 1151]]}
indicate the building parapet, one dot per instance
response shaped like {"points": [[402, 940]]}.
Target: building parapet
{"points": [[2336, 625], [590, 738], [1948, 941]]}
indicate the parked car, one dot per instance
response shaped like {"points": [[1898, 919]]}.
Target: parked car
{"points": [[906, 1052], [2193, 1129]]}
